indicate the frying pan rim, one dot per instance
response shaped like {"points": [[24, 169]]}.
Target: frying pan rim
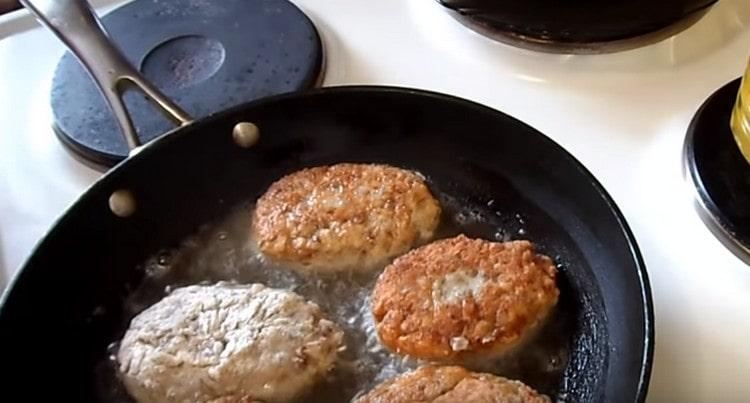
{"points": [[163, 141]]}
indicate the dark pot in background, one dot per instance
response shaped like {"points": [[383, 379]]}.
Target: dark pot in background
{"points": [[576, 21]]}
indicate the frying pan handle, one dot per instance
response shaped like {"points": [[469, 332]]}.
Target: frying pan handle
{"points": [[76, 24]]}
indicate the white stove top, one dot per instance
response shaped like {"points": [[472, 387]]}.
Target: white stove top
{"points": [[623, 115]]}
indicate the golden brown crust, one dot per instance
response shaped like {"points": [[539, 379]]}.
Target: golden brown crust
{"points": [[460, 298], [449, 385], [344, 215]]}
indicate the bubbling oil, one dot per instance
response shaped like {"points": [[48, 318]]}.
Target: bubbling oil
{"points": [[223, 251]]}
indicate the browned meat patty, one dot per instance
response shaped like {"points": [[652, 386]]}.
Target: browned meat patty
{"points": [[461, 298], [451, 385], [344, 216]]}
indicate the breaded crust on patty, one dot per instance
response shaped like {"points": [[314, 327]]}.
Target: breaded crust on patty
{"points": [[450, 385], [344, 216], [227, 343], [462, 298]]}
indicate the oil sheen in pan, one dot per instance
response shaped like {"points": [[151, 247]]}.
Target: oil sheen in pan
{"points": [[222, 251]]}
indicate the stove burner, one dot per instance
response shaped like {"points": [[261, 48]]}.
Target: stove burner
{"points": [[719, 171], [207, 55], [505, 23]]}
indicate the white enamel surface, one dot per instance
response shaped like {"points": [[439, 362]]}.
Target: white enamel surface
{"points": [[623, 115]]}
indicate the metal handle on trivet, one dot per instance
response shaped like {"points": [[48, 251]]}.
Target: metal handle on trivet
{"points": [[76, 24]]}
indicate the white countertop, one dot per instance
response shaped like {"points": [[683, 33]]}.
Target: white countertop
{"points": [[623, 115]]}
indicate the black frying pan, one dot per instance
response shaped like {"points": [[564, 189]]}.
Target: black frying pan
{"points": [[66, 304]]}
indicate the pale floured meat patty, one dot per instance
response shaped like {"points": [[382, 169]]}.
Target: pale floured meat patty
{"points": [[432, 384], [462, 298], [227, 343], [344, 216]]}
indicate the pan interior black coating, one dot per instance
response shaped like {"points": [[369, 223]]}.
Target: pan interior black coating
{"points": [[66, 304]]}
